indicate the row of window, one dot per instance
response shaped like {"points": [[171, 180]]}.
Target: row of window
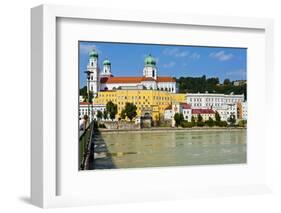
{"points": [[228, 100], [134, 97]]}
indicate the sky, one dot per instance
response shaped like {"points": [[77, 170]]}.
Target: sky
{"points": [[172, 60]]}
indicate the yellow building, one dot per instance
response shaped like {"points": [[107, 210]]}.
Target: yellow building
{"points": [[151, 101]]}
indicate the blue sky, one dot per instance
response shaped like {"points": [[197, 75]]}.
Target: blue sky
{"points": [[172, 60]]}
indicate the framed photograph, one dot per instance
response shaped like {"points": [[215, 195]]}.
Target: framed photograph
{"points": [[147, 106]]}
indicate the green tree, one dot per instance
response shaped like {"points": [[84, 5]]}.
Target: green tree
{"points": [[83, 91], [242, 123], [123, 114], [111, 109], [178, 118], [232, 120], [130, 110], [199, 118], [210, 122], [99, 114], [192, 119], [105, 114], [226, 81], [217, 117]]}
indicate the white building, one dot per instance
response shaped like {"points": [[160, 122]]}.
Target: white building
{"points": [[102, 79], [205, 113], [89, 110], [183, 108], [212, 101], [225, 105]]}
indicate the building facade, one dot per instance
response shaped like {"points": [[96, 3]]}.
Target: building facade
{"points": [[225, 105], [103, 79], [153, 101], [205, 113], [91, 110], [181, 108]]}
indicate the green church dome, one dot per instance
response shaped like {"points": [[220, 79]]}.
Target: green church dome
{"points": [[149, 60], [106, 62], [93, 54]]}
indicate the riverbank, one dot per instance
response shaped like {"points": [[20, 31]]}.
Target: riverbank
{"points": [[171, 129]]}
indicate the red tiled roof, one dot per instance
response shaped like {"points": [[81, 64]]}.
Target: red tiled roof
{"points": [[185, 106], [137, 79], [84, 103], [202, 111], [165, 79], [148, 79]]}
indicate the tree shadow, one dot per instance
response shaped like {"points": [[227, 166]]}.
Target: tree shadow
{"points": [[100, 157]]}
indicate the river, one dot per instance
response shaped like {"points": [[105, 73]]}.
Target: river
{"points": [[168, 148]]}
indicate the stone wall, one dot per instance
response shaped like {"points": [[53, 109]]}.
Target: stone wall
{"points": [[121, 125]]}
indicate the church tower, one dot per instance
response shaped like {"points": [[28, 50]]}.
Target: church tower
{"points": [[93, 82], [150, 69], [106, 71]]}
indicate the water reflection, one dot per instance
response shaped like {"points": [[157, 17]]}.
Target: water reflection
{"points": [[156, 149]]}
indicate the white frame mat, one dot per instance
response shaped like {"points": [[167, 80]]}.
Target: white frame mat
{"points": [[44, 87]]}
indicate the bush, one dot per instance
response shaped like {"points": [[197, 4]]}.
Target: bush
{"points": [[210, 122], [200, 123], [242, 123], [223, 124], [186, 124]]}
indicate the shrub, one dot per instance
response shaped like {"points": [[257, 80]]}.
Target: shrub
{"points": [[242, 123], [200, 123], [210, 122]]}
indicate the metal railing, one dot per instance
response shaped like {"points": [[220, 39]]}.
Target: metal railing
{"points": [[85, 146]]}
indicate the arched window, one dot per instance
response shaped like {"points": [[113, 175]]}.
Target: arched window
{"points": [[153, 73], [105, 88]]}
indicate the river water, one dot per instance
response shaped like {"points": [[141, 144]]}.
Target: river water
{"points": [[170, 148]]}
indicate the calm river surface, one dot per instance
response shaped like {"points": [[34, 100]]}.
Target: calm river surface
{"points": [[170, 148]]}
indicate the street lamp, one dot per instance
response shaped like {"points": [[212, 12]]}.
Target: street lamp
{"points": [[88, 89]]}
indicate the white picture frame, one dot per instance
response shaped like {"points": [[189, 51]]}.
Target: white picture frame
{"points": [[44, 149]]}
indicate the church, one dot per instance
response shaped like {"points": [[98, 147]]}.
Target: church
{"points": [[103, 79]]}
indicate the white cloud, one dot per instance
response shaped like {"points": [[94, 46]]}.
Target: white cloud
{"points": [[221, 55], [237, 73], [169, 65], [195, 56], [175, 52], [86, 48]]}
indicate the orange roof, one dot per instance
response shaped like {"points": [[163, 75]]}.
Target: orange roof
{"points": [[137, 79], [165, 79], [85, 103]]}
